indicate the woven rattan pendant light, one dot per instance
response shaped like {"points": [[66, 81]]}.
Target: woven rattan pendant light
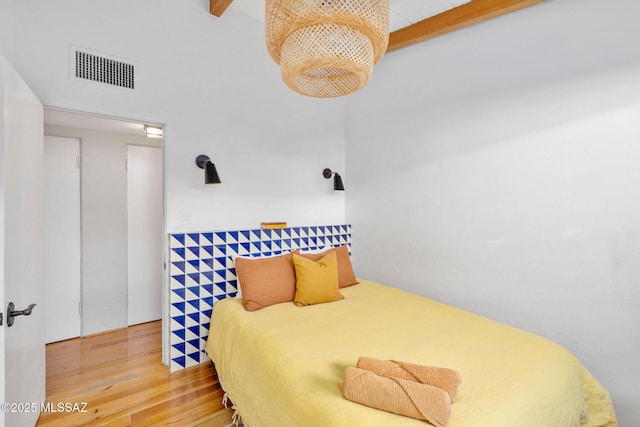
{"points": [[326, 48]]}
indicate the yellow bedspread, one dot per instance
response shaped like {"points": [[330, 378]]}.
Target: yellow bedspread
{"points": [[283, 365]]}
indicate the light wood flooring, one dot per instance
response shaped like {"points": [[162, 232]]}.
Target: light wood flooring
{"points": [[121, 378]]}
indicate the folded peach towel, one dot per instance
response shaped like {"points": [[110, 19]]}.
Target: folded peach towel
{"points": [[397, 395], [444, 378]]}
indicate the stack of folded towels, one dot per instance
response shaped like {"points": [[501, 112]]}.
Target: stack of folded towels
{"points": [[417, 391]]}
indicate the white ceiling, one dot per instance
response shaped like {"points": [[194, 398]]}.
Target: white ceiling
{"points": [[402, 13]]}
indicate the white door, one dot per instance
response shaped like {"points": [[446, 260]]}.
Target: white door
{"points": [[144, 216], [62, 238], [104, 235], [22, 346]]}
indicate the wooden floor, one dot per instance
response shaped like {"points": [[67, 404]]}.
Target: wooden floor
{"points": [[121, 378]]}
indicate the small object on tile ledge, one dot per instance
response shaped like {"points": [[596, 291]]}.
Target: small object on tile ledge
{"points": [[273, 225]]}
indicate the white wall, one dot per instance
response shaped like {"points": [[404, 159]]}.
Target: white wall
{"points": [[212, 83], [5, 29], [496, 169]]}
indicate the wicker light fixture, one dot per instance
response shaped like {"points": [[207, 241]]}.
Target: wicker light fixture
{"points": [[326, 48]]}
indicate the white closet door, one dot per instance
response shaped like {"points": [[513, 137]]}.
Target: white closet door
{"points": [[62, 238], [145, 212]]}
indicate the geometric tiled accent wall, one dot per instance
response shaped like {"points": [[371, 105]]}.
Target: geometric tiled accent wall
{"points": [[202, 272]]}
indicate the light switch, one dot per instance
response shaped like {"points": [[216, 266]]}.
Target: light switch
{"points": [[186, 218]]}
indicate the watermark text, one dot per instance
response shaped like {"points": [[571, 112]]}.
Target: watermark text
{"points": [[43, 407]]}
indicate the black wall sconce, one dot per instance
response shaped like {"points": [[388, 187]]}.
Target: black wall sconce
{"points": [[210, 172], [337, 179]]}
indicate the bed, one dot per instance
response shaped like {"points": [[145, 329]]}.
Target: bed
{"points": [[283, 365]]}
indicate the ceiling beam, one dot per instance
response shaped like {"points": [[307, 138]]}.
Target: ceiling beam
{"points": [[217, 7], [459, 17]]}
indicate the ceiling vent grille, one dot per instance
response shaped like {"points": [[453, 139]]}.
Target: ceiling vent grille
{"points": [[103, 70]]}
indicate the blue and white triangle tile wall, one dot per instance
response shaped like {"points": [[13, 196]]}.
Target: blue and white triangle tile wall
{"points": [[202, 271]]}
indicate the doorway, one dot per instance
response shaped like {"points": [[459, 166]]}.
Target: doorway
{"points": [[120, 224]]}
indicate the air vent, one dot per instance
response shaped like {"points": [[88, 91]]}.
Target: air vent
{"points": [[103, 70]]}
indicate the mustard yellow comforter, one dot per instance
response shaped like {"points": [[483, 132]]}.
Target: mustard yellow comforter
{"points": [[283, 365]]}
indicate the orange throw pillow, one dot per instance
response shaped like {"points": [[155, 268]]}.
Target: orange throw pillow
{"points": [[266, 281], [346, 276]]}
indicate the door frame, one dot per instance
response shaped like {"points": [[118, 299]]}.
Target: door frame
{"points": [[59, 118]]}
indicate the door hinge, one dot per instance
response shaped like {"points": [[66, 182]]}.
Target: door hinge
{"points": [[79, 162]]}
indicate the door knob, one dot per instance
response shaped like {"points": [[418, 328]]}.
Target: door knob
{"points": [[11, 313]]}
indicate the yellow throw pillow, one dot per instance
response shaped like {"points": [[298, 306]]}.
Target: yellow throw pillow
{"points": [[316, 281], [346, 276]]}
